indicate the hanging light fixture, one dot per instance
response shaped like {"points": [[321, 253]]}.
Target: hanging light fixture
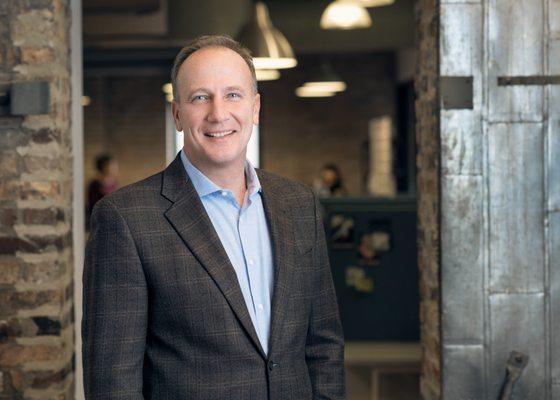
{"points": [[267, 74], [269, 47], [376, 3], [326, 79], [345, 14], [307, 91]]}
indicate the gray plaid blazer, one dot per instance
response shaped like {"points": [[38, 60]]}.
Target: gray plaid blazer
{"points": [[163, 314]]}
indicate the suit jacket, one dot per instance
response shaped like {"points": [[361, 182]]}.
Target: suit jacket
{"points": [[164, 316]]}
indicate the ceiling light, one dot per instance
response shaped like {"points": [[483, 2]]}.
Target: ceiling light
{"points": [[267, 74], [376, 3], [326, 79], [345, 14], [167, 88], [86, 101], [305, 91], [330, 86], [269, 47], [169, 97]]}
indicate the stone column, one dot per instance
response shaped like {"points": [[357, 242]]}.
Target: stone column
{"points": [[36, 286]]}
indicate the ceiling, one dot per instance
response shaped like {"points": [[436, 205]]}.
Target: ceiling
{"points": [[153, 37]]}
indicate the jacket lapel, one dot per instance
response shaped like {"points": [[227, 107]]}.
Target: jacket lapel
{"points": [[282, 240], [188, 216]]}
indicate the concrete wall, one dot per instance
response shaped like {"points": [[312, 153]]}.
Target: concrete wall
{"points": [[36, 316]]}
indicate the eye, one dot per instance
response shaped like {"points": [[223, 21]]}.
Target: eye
{"points": [[234, 95], [198, 98]]}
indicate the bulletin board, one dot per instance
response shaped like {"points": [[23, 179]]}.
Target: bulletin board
{"points": [[373, 255]]}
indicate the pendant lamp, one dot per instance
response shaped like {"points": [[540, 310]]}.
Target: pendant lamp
{"points": [[269, 47], [345, 14]]}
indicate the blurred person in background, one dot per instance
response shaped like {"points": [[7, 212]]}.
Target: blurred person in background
{"points": [[330, 182], [104, 183]]}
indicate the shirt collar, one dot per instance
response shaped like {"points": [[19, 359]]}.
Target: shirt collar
{"points": [[205, 186]]}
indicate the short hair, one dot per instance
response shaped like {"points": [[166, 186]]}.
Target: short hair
{"points": [[206, 41], [102, 161]]}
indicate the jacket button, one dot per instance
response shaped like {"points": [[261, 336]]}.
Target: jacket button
{"points": [[271, 365]]}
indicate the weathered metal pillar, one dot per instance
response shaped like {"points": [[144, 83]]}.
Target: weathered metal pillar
{"points": [[500, 195]]}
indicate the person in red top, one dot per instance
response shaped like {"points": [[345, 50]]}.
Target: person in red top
{"points": [[105, 182]]}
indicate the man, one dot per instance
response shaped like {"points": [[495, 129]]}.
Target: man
{"points": [[210, 280]]}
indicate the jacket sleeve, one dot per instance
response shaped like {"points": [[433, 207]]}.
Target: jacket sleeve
{"points": [[115, 303], [324, 349]]}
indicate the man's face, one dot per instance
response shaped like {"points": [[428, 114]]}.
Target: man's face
{"points": [[217, 107]]}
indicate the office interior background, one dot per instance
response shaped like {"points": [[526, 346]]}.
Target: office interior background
{"points": [[443, 243]]}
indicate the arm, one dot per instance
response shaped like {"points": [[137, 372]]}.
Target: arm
{"points": [[115, 306], [324, 349]]}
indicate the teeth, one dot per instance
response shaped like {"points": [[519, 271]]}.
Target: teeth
{"points": [[218, 134]]}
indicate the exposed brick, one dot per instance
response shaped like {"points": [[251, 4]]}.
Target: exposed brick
{"points": [[12, 300], [49, 190], [35, 164], [10, 245], [10, 271], [9, 189], [428, 185], [41, 216], [8, 217], [42, 380], [36, 55], [43, 272], [47, 326], [13, 354], [8, 163], [43, 136]]}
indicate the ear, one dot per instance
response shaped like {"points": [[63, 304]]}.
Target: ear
{"points": [[176, 119], [256, 108]]}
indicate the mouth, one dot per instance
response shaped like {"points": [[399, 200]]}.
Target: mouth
{"points": [[219, 134]]}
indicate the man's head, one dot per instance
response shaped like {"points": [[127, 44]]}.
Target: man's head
{"points": [[216, 103], [211, 41]]}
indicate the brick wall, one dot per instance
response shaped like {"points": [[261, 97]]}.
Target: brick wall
{"points": [[36, 316], [428, 186], [299, 135], [126, 118]]}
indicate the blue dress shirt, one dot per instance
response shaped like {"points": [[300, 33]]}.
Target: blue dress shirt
{"points": [[244, 234]]}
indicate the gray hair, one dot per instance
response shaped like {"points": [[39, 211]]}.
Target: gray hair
{"points": [[211, 41]]}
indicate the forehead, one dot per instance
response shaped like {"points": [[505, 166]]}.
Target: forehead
{"points": [[213, 65]]}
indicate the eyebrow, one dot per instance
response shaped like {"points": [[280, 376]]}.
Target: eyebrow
{"points": [[206, 90]]}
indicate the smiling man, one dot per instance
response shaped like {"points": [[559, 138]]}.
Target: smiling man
{"points": [[210, 280]]}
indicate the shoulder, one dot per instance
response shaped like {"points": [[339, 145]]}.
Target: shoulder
{"points": [[294, 195], [279, 183]]}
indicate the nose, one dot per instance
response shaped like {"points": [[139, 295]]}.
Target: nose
{"points": [[218, 111]]}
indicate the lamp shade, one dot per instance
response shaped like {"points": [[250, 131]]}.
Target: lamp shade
{"points": [[326, 79], [269, 47], [376, 3], [345, 14]]}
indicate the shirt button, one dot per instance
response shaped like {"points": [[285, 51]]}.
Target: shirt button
{"points": [[224, 193], [260, 307], [251, 262]]}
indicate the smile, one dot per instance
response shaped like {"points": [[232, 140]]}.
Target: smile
{"points": [[218, 134]]}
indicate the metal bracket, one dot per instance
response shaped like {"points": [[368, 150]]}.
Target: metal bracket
{"points": [[456, 92], [539, 80], [514, 367], [25, 98]]}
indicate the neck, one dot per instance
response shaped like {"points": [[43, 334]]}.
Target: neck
{"points": [[229, 177]]}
